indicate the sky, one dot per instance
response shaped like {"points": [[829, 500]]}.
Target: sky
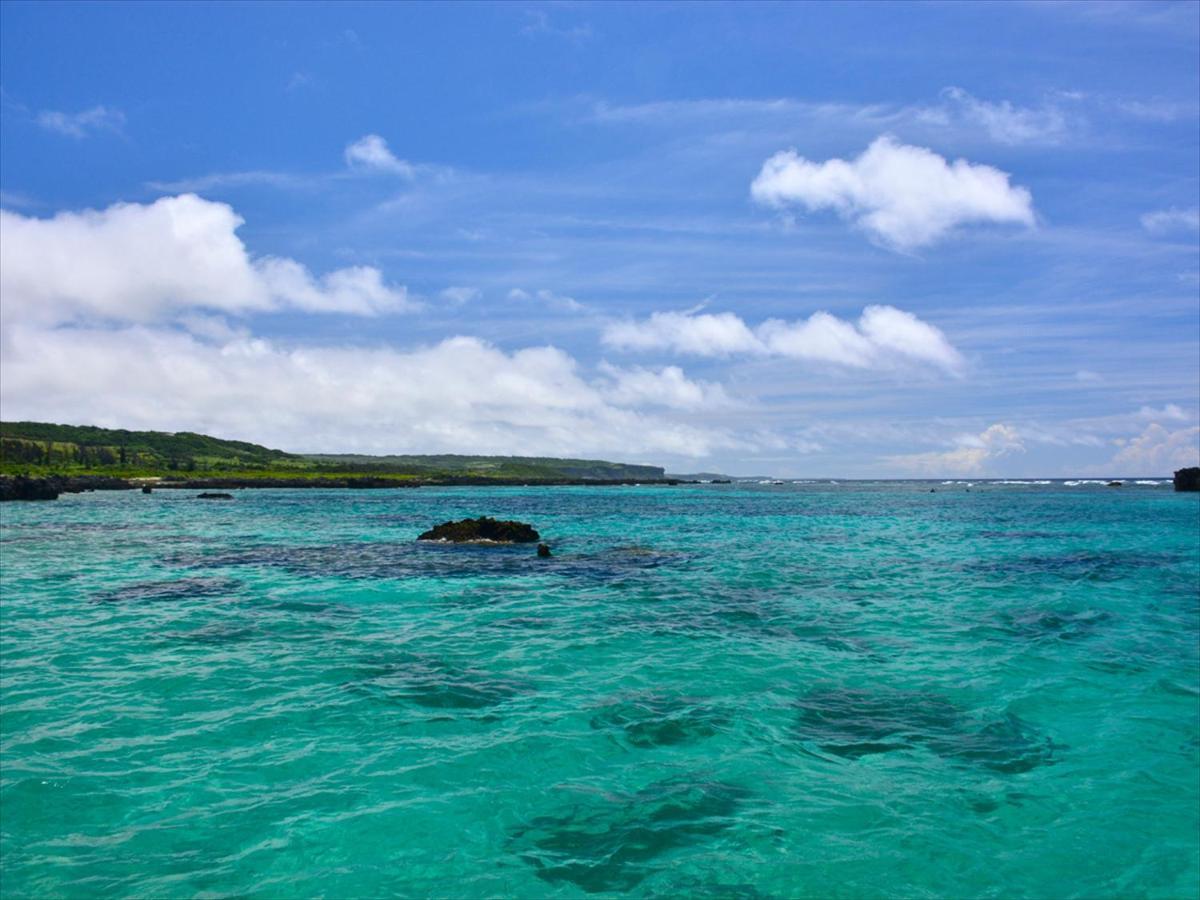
{"points": [[805, 240]]}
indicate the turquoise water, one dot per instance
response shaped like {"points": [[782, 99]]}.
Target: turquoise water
{"points": [[732, 691]]}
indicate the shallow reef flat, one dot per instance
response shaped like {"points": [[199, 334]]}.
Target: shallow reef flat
{"points": [[707, 690]]}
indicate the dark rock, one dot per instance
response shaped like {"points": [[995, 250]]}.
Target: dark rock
{"points": [[1188, 479], [207, 495], [27, 487], [484, 528], [146, 489], [544, 551], [1115, 483], [22, 487]]}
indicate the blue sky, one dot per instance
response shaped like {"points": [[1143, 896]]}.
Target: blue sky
{"points": [[804, 239]]}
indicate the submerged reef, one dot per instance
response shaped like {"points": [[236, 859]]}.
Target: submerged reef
{"points": [[608, 842], [856, 723], [432, 683], [659, 720], [482, 529]]}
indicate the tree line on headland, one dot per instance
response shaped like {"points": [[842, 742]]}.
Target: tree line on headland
{"points": [[40, 450]]}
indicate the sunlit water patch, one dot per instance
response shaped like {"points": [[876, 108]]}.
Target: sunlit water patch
{"points": [[807, 689]]}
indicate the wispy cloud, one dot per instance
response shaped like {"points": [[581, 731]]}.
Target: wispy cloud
{"points": [[83, 124], [457, 295], [1165, 221], [547, 299], [216, 180], [1008, 123], [538, 23], [906, 197], [299, 80]]}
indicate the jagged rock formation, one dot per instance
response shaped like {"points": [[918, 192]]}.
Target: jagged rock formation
{"points": [[483, 529]]}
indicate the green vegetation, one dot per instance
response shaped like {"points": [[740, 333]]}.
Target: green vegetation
{"points": [[37, 448], [450, 465]]}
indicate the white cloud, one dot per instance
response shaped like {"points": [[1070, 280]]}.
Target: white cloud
{"points": [[668, 386], [82, 124], [460, 395], [1165, 221], [221, 180], [706, 334], [904, 196], [882, 337], [971, 455], [1169, 413], [144, 263], [457, 295], [370, 153], [1007, 123], [1157, 451], [548, 299]]}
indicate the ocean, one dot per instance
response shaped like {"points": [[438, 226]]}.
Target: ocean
{"points": [[890, 689]]}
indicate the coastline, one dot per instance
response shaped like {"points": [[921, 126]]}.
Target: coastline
{"points": [[49, 487]]}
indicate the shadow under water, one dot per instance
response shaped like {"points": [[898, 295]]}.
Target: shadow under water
{"points": [[855, 723], [434, 684], [608, 843], [427, 559], [169, 590], [660, 720]]}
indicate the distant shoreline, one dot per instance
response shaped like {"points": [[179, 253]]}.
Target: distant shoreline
{"points": [[49, 487]]}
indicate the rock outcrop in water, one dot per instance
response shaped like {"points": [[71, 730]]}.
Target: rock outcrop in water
{"points": [[483, 529], [27, 487], [24, 488], [1188, 479], [214, 495]]}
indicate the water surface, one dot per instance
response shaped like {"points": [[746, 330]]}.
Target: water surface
{"points": [[725, 690]]}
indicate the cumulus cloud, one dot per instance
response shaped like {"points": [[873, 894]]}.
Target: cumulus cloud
{"points": [[971, 454], [370, 153], [903, 196], [462, 394], [882, 337], [148, 262], [1166, 221], [82, 124], [1157, 451], [667, 386]]}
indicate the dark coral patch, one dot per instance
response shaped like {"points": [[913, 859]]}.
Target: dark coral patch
{"points": [[658, 720], [857, 723], [609, 843], [173, 590]]}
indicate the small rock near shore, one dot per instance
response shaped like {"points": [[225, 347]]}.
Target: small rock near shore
{"points": [[544, 551], [212, 495], [482, 529]]}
